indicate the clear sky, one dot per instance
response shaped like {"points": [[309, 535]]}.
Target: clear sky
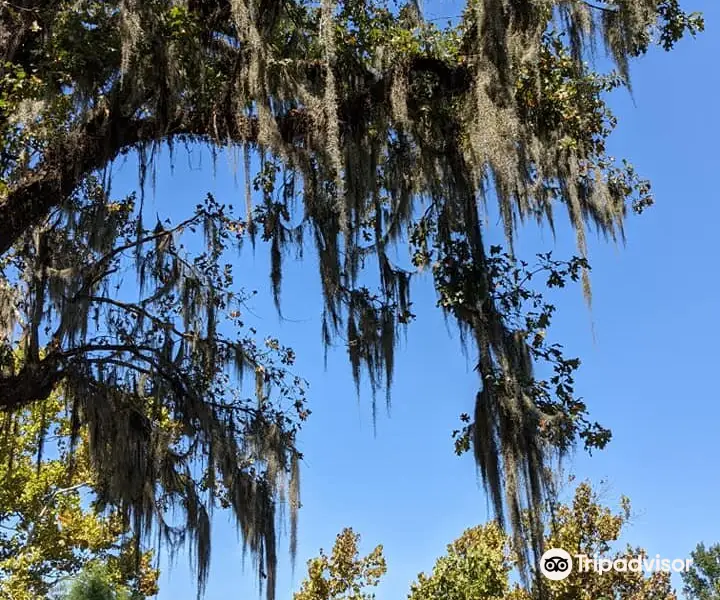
{"points": [[649, 373]]}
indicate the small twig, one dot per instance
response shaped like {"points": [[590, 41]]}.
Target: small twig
{"points": [[45, 508], [612, 9]]}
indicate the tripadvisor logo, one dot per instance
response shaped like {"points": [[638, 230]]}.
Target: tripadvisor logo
{"points": [[556, 564]]}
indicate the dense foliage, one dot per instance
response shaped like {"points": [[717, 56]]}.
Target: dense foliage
{"points": [[344, 574], [586, 526], [372, 127], [478, 565], [49, 527], [702, 581], [96, 583]]}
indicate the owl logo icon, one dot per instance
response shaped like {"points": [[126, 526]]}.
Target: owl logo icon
{"points": [[556, 564]]}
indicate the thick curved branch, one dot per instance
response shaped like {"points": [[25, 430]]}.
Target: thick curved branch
{"points": [[35, 381], [86, 149], [110, 132]]}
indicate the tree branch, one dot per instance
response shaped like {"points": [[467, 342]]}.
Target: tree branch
{"points": [[88, 148], [110, 131], [35, 381], [46, 506], [599, 7]]}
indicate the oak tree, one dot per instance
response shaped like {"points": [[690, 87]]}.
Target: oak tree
{"points": [[374, 129]]}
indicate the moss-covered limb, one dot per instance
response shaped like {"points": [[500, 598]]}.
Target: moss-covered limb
{"points": [[150, 381], [30, 384], [103, 141], [108, 133]]}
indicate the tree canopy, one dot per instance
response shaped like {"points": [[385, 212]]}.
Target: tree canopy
{"points": [[344, 573], [374, 129], [478, 565], [50, 528], [702, 581], [97, 583]]}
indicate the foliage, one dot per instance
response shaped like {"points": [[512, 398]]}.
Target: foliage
{"points": [[372, 127], [546, 406], [49, 529], [96, 583], [585, 526], [343, 575], [702, 580], [478, 565], [150, 379]]}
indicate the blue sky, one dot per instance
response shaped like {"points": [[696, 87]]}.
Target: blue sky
{"points": [[648, 372]]}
